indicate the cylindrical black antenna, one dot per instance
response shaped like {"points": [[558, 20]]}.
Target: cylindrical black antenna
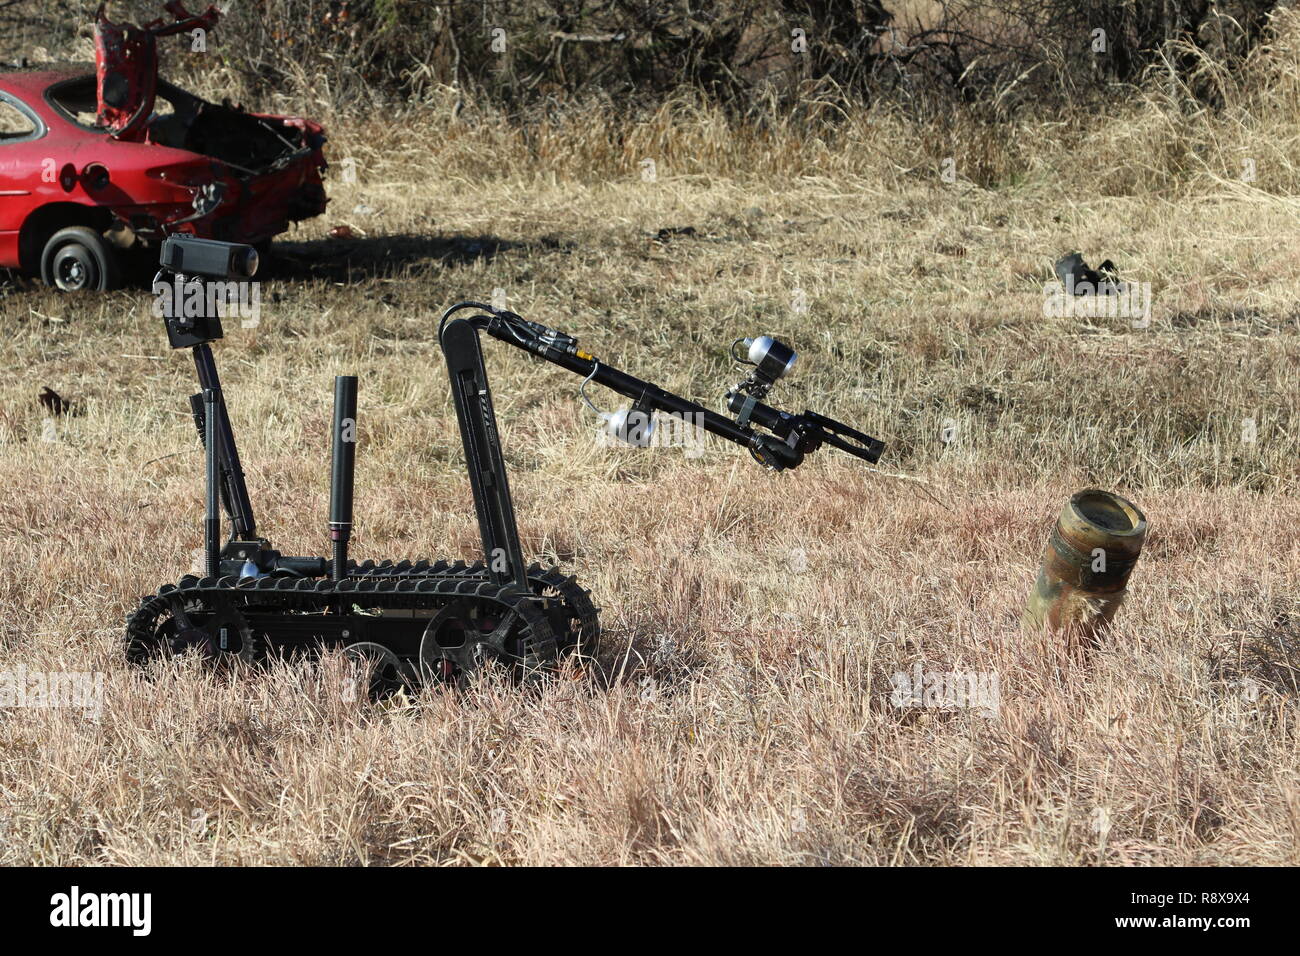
{"points": [[212, 508], [342, 470]]}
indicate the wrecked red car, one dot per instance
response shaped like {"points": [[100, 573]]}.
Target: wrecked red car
{"points": [[97, 167]]}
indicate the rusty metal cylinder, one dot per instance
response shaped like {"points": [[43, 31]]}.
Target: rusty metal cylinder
{"points": [[1084, 575]]}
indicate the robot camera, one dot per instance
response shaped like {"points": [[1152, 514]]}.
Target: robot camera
{"points": [[208, 257]]}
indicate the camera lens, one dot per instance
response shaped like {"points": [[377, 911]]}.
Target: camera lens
{"points": [[774, 359], [243, 262], [635, 426]]}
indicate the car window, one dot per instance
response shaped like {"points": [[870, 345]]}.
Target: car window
{"points": [[76, 100], [15, 123]]}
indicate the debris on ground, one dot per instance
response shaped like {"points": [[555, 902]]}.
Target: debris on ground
{"points": [[53, 402], [668, 234], [1080, 279], [1083, 577]]}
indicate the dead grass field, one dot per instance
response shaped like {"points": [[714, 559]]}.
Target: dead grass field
{"points": [[741, 709]]}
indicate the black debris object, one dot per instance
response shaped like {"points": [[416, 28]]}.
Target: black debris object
{"points": [[674, 232], [53, 402], [1078, 277]]}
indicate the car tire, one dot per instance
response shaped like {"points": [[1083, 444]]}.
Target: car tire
{"points": [[79, 259]]}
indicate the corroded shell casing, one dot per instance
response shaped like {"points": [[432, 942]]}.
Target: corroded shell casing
{"points": [[1086, 566]]}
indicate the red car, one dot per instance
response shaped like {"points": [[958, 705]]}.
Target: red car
{"points": [[95, 165]]}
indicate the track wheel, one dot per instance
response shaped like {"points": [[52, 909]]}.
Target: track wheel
{"points": [[217, 632], [464, 636], [377, 669]]}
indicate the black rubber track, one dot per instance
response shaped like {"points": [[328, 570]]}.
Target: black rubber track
{"points": [[428, 591]]}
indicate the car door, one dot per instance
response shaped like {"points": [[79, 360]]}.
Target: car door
{"points": [[20, 128]]}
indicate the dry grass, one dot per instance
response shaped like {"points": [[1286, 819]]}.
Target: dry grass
{"points": [[742, 710]]}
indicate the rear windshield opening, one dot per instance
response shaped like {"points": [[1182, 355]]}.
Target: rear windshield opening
{"points": [[248, 144], [75, 99]]}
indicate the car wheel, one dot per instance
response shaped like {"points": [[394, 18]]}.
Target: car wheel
{"points": [[79, 259]]}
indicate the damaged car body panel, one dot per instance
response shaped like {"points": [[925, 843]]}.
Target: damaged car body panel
{"points": [[126, 65], [116, 159]]}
